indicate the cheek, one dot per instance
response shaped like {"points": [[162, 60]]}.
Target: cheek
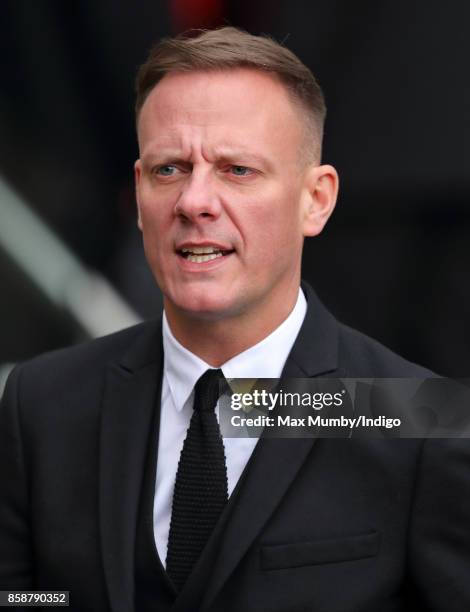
{"points": [[273, 225], [154, 216], [155, 205], [154, 232]]}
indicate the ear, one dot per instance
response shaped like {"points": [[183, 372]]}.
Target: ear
{"points": [[320, 193], [137, 177]]}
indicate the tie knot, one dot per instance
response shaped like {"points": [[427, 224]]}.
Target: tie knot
{"points": [[208, 389]]}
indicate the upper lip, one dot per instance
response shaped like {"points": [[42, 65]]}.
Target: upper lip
{"points": [[205, 243]]}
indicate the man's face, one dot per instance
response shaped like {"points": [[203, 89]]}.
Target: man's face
{"points": [[221, 192]]}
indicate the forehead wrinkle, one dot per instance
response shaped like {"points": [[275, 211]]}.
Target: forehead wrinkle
{"points": [[196, 141], [196, 148], [172, 143], [179, 114], [188, 126], [240, 153]]}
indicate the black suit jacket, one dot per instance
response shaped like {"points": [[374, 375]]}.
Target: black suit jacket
{"points": [[326, 525]]}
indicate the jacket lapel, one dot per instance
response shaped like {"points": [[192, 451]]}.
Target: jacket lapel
{"points": [[275, 462], [132, 389]]}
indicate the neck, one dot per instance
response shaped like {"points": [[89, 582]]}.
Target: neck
{"points": [[217, 340]]}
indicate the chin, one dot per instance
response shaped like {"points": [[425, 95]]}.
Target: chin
{"points": [[206, 307]]}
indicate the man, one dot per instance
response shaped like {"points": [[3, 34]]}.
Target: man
{"points": [[228, 183]]}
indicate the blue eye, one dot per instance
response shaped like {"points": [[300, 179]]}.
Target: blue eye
{"points": [[166, 170], [240, 170]]}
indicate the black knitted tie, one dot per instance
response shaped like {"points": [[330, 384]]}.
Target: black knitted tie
{"points": [[201, 482]]}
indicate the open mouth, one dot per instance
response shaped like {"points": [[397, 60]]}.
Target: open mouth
{"points": [[203, 254]]}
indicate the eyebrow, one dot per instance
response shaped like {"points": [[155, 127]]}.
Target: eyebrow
{"points": [[161, 153], [222, 153], [237, 153]]}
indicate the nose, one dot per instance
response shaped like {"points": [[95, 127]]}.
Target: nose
{"points": [[198, 200]]}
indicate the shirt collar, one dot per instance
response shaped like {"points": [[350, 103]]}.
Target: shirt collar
{"points": [[266, 359]]}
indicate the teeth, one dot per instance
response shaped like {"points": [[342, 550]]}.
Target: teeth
{"points": [[203, 258], [201, 250]]}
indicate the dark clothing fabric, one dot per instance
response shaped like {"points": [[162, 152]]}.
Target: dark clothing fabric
{"points": [[201, 488], [326, 525]]}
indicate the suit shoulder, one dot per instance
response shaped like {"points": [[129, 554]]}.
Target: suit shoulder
{"points": [[362, 357], [73, 366], [98, 350]]}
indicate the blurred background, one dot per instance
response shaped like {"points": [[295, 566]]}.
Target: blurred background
{"points": [[393, 261]]}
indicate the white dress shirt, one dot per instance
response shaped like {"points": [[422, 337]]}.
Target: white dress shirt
{"points": [[181, 371]]}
